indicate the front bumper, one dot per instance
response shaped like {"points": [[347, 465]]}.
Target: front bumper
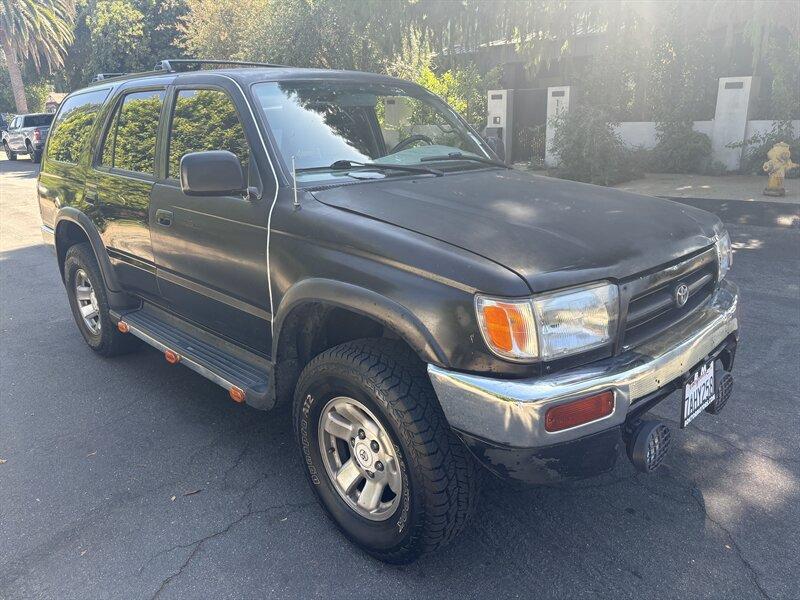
{"points": [[510, 413]]}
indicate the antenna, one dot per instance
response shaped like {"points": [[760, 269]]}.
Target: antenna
{"points": [[294, 182]]}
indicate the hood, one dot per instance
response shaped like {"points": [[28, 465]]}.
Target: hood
{"points": [[552, 233]]}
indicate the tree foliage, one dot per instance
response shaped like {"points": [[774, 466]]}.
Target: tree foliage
{"points": [[122, 36], [589, 149], [39, 30]]}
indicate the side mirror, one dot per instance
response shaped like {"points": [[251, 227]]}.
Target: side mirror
{"points": [[212, 173]]}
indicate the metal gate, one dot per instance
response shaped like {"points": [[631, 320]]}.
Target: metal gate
{"points": [[529, 125]]}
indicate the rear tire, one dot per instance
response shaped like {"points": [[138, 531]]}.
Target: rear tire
{"points": [[10, 155], [34, 155], [89, 303], [435, 485]]}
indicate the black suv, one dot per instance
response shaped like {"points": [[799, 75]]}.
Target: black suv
{"points": [[346, 242]]}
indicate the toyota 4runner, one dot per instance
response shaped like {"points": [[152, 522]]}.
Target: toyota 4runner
{"points": [[345, 242]]}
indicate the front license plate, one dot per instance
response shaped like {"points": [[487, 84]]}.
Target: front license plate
{"points": [[697, 393]]}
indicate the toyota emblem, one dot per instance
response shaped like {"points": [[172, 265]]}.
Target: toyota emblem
{"points": [[681, 295]]}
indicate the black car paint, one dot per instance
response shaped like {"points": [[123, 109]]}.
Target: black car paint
{"points": [[410, 251], [552, 233]]}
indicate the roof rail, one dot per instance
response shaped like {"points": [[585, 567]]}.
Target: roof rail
{"points": [[104, 76], [171, 63]]}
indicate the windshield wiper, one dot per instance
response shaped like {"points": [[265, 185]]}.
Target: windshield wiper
{"points": [[349, 164], [461, 156]]}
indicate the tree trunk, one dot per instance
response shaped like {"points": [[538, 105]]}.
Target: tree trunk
{"points": [[14, 73]]}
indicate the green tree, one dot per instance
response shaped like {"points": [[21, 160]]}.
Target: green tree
{"points": [[35, 30], [122, 36]]}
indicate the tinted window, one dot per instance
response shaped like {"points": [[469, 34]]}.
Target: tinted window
{"points": [[38, 120], [73, 125], [205, 120], [130, 141]]}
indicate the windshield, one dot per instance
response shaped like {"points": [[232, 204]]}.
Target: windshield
{"points": [[319, 123]]}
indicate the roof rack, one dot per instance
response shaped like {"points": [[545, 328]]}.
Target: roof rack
{"points": [[171, 63], [104, 76]]}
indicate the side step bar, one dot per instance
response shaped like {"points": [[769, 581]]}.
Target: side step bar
{"points": [[246, 376]]}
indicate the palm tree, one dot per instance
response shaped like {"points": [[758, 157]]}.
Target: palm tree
{"points": [[36, 30]]}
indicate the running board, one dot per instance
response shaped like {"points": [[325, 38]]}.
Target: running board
{"points": [[246, 376]]}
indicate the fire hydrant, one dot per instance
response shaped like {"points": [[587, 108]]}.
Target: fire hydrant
{"points": [[780, 161]]}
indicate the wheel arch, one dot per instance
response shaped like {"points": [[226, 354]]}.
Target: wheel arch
{"points": [[317, 314], [74, 227]]}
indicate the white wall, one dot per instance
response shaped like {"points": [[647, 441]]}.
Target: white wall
{"points": [[729, 125], [642, 134], [756, 127]]}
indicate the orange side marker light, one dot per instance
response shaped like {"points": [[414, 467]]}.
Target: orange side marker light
{"points": [[237, 394], [123, 327], [172, 357]]}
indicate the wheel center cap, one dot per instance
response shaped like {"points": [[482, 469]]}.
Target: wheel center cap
{"points": [[364, 455]]}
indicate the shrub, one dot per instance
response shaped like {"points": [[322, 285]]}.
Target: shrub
{"points": [[681, 149], [757, 146], [589, 149]]}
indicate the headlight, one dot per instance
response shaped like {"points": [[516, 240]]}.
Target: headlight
{"points": [[724, 255], [550, 325]]}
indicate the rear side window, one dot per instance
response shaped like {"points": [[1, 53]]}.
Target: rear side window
{"points": [[130, 142], [73, 125], [38, 120], [205, 120]]}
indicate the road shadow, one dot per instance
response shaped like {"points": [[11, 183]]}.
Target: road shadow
{"points": [[21, 168]]}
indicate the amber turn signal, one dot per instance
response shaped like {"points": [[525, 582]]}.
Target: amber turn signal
{"points": [[237, 394], [172, 357], [579, 412], [123, 327]]}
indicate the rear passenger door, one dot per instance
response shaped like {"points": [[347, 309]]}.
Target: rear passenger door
{"points": [[211, 251], [122, 177]]}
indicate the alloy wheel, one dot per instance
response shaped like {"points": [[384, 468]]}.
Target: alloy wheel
{"points": [[360, 459], [87, 301]]}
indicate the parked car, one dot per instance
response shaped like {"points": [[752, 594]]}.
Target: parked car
{"points": [[27, 134], [344, 242]]}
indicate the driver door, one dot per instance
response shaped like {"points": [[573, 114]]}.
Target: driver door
{"points": [[211, 251]]}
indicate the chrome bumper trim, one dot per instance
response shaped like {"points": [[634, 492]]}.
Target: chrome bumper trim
{"points": [[511, 411]]}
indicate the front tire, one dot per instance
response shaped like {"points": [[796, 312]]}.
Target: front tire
{"points": [[89, 303], [10, 154], [378, 451]]}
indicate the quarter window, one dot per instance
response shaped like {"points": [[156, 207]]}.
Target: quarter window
{"points": [[205, 120], [73, 126], [130, 142]]}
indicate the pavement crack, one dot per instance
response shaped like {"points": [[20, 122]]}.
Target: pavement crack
{"points": [[198, 544], [751, 571]]}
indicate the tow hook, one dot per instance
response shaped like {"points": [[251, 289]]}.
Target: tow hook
{"points": [[722, 393], [647, 443]]}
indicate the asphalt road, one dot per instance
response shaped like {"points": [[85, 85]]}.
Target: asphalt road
{"points": [[129, 478]]}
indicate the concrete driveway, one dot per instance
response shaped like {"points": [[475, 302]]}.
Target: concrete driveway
{"points": [[129, 478]]}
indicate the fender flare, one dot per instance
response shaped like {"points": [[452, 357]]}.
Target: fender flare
{"points": [[389, 313], [73, 215]]}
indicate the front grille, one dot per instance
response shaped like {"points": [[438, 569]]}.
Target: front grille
{"points": [[652, 307]]}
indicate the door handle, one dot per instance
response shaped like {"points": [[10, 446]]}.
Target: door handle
{"points": [[164, 217]]}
